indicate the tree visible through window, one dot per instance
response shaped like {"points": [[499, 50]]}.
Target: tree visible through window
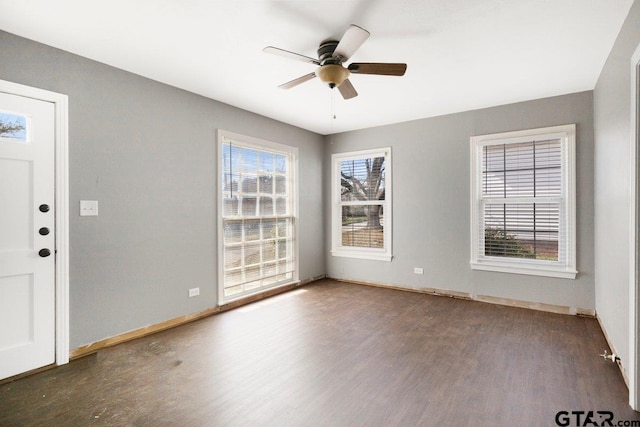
{"points": [[13, 127], [362, 209], [362, 180]]}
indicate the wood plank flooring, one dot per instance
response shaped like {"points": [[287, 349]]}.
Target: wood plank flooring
{"points": [[336, 354]]}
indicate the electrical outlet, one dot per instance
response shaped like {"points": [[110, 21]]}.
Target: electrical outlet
{"points": [[194, 292], [418, 270], [88, 208]]}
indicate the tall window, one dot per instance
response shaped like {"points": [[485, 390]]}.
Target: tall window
{"points": [[257, 215], [523, 202], [361, 194]]}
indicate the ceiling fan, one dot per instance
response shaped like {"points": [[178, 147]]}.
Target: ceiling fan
{"points": [[331, 55]]}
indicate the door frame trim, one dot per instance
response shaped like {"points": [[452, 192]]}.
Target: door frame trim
{"points": [[61, 120], [634, 244]]}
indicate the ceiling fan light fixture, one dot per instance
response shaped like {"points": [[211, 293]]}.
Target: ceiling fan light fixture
{"points": [[331, 55], [333, 74]]}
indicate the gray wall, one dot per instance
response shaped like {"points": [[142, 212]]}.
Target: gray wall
{"points": [[431, 202], [147, 153], [612, 127]]}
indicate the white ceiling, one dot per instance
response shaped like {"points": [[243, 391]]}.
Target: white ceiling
{"points": [[461, 54]]}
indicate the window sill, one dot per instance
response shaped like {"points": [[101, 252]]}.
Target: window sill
{"points": [[363, 255], [260, 293], [547, 271]]}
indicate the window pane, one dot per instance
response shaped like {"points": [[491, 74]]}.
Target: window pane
{"points": [[266, 205], [270, 270], [522, 230], [249, 183], [231, 280], [266, 162], [281, 206], [269, 251], [230, 182], [230, 206], [13, 127], [233, 257], [281, 185], [280, 163], [249, 159], [266, 184], [230, 159], [249, 206], [529, 169], [251, 254], [284, 226], [252, 274], [251, 229], [362, 226], [362, 179], [232, 231], [282, 249], [268, 229], [252, 247]]}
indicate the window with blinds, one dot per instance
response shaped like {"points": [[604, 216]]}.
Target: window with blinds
{"points": [[362, 208], [523, 202], [256, 215]]}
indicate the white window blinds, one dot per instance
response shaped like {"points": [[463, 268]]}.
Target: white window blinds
{"points": [[523, 202], [522, 197]]}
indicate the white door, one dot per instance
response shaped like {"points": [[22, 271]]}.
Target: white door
{"points": [[27, 235]]}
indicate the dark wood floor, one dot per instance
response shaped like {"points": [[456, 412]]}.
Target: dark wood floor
{"points": [[335, 354]]}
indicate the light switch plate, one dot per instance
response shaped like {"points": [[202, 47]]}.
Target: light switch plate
{"points": [[88, 208]]}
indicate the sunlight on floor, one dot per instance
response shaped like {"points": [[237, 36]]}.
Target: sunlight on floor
{"points": [[271, 300]]}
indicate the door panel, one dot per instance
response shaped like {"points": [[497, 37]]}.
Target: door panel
{"points": [[16, 184], [27, 278]]}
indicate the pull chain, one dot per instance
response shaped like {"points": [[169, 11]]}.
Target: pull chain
{"points": [[333, 104], [333, 108]]}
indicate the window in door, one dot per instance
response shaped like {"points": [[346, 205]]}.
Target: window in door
{"points": [[13, 127], [257, 221]]}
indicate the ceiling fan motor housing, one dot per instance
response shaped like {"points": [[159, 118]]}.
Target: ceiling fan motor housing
{"points": [[331, 70], [325, 52]]}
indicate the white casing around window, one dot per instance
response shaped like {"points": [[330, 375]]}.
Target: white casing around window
{"points": [[337, 249], [565, 267], [225, 137]]}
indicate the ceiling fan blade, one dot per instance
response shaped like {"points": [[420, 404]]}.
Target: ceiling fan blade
{"points": [[350, 42], [347, 90], [290, 55], [296, 82], [385, 69]]}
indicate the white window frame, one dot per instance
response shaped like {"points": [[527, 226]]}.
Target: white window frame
{"points": [[258, 144], [337, 249], [565, 267]]}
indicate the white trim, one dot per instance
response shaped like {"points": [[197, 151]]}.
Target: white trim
{"points": [[60, 102], [219, 228], [634, 295], [223, 136], [384, 254], [362, 254], [519, 269], [562, 268]]}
